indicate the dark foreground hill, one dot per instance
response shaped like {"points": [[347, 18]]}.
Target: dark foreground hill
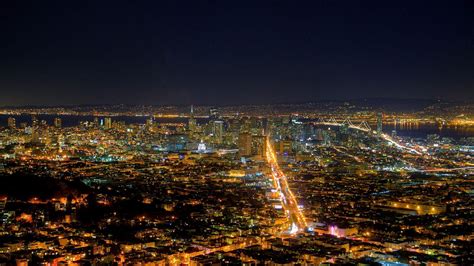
{"points": [[24, 186]]}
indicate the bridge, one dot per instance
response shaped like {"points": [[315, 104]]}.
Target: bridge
{"points": [[365, 127]]}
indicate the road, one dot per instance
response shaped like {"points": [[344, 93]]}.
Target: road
{"points": [[289, 203]]}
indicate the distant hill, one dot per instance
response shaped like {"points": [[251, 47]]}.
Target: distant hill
{"points": [[389, 104]]}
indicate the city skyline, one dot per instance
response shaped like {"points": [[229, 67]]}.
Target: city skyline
{"points": [[330, 184], [198, 133]]}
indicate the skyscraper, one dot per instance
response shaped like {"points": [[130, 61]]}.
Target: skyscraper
{"points": [[150, 122], [285, 146], [58, 122], [96, 121], [34, 121], [259, 145], [245, 144], [11, 122], [192, 121], [213, 113], [218, 131], [108, 123], [379, 123]]}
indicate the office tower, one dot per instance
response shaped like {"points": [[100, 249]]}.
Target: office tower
{"points": [[192, 121], [259, 145], [150, 122], [108, 123], [11, 122], [234, 125], [213, 113], [285, 146], [34, 121], [318, 135], [246, 125], [379, 123], [218, 131], [326, 138], [245, 144], [58, 122], [96, 121]]}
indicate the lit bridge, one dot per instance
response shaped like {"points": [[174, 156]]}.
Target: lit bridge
{"points": [[364, 127]]}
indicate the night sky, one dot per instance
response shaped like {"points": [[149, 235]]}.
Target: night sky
{"points": [[234, 52]]}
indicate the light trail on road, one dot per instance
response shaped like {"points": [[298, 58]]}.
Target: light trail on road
{"points": [[288, 199]]}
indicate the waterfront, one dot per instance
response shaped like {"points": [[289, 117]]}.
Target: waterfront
{"points": [[414, 130]]}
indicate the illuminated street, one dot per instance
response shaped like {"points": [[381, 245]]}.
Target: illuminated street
{"points": [[290, 204]]}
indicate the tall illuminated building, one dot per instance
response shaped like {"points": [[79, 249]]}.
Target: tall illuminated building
{"points": [[213, 113], [96, 122], [34, 121], [11, 122], [150, 122], [259, 146], [58, 122], [245, 144], [379, 123], [192, 121], [285, 146], [108, 123], [218, 131]]}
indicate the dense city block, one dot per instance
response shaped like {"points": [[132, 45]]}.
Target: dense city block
{"points": [[215, 187]]}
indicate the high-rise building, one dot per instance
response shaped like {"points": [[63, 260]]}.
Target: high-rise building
{"points": [[259, 145], [11, 122], [326, 138], [58, 122], [318, 135], [34, 121], [150, 122], [108, 123], [218, 131], [192, 121], [285, 146], [245, 144], [213, 113], [96, 121], [379, 123]]}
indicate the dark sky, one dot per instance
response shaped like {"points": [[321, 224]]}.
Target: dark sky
{"points": [[231, 52]]}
